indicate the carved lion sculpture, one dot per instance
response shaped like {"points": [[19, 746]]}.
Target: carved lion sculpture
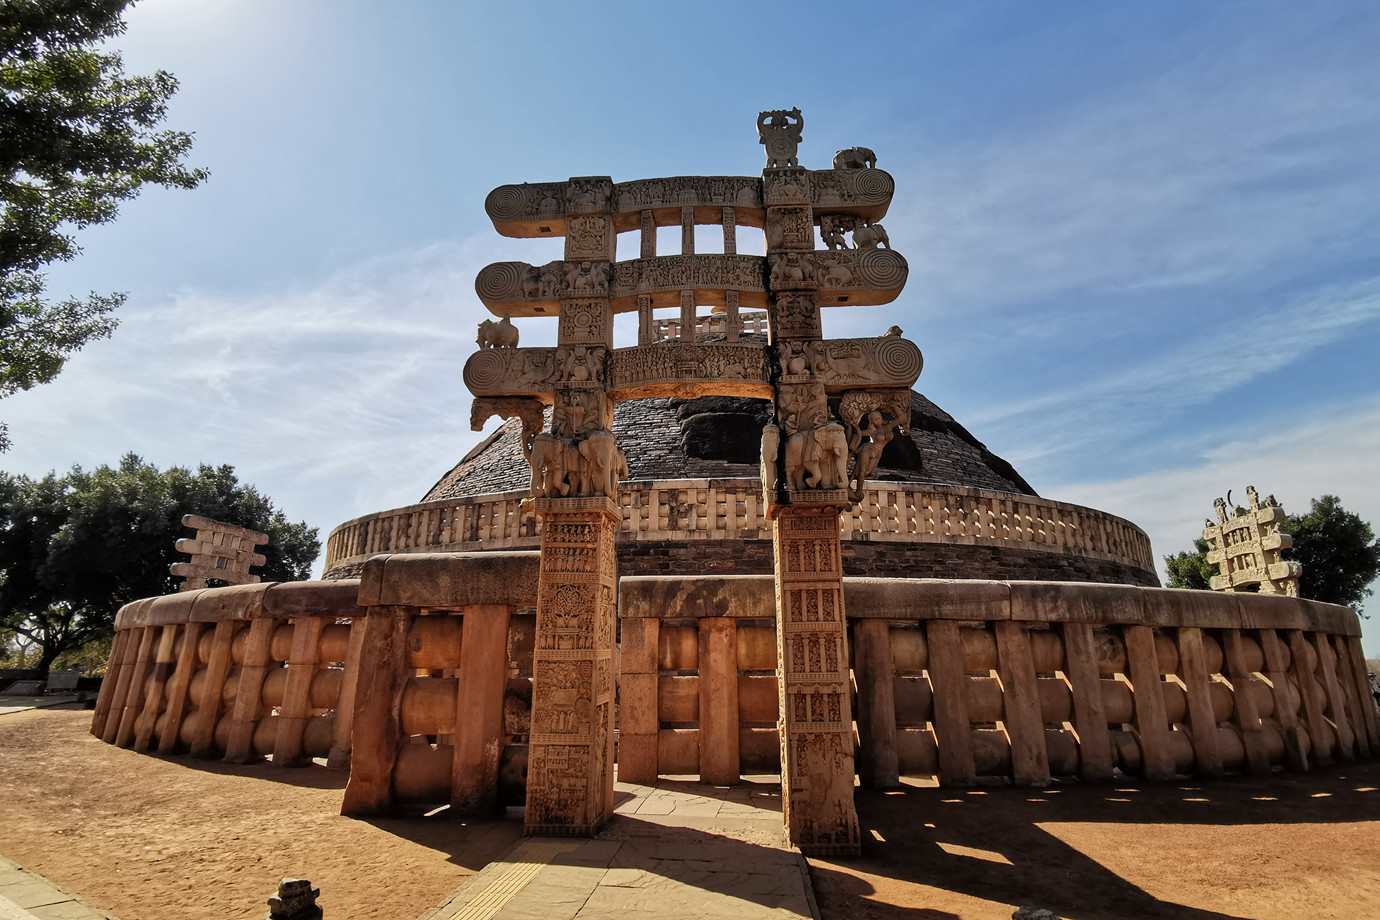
{"points": [[855, 158]]}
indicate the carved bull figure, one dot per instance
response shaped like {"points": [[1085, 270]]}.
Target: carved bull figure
{"points": [[855, 158]]}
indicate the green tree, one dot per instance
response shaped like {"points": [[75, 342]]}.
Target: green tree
{"points": [[1338, 550], [1191, 570], [74, 548], [77, 138]]}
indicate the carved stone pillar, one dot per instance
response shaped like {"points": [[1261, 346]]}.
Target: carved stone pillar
{"points": [[646, 323], [570, 763], [730, 231], [687, 316], [648, 235], [816, 724], [687, 231], [731, 319]]}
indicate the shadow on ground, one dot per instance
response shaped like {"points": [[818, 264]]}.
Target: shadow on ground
{"points": [[991, 843]]}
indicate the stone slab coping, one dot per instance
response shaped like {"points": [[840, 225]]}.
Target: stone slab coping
{"points": [[27, 896], [278, 600], [754, 597], [458, 580], [450, 580]]}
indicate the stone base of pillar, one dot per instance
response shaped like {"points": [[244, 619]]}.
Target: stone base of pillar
{"points": [[570, 763], [816, 724]]}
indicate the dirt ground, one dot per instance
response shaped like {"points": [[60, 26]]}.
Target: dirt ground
{"points": [[149, 838], [1291, 846]]}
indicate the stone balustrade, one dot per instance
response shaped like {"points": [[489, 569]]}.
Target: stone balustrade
{"points": [[238, 672], [714, 324], [1023, 680], [404, 676], [954, 679], [727, 509]]}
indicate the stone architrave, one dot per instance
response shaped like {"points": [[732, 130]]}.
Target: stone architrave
{"points": [[1246, 545], [570, 763]]}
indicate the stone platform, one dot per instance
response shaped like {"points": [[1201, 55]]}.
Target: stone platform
{"points": [[679, 850], [26, 896]]}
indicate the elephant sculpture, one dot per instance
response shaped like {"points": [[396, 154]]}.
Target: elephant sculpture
{"points": [[855, 158], [501, 334], [600, 467], [556, 466], [832, 442], [817, 458], [771, 448]]}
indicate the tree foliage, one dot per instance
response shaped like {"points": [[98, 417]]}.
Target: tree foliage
{"points": [[1339, 552], [77, 137], [74, 548], [1191, 570]]}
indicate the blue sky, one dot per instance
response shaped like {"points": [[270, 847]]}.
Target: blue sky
{"points": [[1144, 238]]}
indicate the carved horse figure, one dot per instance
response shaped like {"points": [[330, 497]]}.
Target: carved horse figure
{"points": [[855, 158], [501, 334]]}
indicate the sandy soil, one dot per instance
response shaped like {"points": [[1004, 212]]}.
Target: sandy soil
{"points": [[1291, 846], [149, 838]]}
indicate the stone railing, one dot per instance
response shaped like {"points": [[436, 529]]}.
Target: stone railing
{"points": [[357, 671], [1024, 680], [238, 672], [727, 509], [955, 679]]}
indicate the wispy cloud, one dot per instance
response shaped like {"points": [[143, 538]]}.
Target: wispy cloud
{"points": [[1225, 165], [1200, 369], [337, 398]]}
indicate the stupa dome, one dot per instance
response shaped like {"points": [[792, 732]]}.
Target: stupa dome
{"points": [[943, 506], [719, 437]]}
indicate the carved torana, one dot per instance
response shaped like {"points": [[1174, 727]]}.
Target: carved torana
{"points": [[814, 464], [1246, 543]]}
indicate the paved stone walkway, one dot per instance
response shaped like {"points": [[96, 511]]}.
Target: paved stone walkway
{"points": [[676, 851], [25, 896], [9, 704]]}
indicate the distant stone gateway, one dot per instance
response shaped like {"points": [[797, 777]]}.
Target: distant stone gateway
{"points": [[734, 547]]}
